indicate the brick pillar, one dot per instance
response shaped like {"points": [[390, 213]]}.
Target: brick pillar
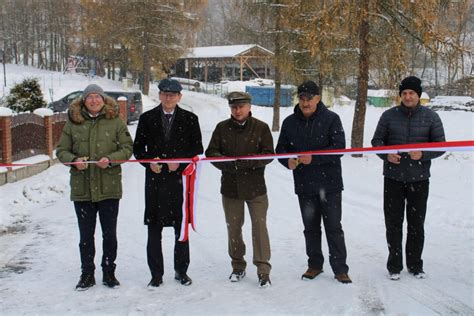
{"points": [[48, 129], [6, 127], [123, 110]]}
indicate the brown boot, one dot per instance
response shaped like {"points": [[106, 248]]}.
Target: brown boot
{"points": [[311, 273], [343, 278]]}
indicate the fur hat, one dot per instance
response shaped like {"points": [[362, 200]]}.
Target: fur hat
{"points": [[412, 83]]}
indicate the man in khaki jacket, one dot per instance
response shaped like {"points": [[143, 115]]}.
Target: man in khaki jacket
{"points": [[243, 183]]}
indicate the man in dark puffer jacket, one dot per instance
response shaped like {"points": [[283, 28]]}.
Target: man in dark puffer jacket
{"points": [[407, 175], [318, 179]]}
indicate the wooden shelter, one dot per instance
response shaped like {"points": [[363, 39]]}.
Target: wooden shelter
{"points": [[214, 63]]}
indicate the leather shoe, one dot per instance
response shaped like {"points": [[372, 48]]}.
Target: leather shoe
{"points": [[183, 278], [156, 281]]}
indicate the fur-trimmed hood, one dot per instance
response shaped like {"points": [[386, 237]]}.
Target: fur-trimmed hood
{"points": [[78, 112]]}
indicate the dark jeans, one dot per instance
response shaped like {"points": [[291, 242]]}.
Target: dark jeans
{"points": [[328, 207], [155, 253], [86, 213], [415, 195]]}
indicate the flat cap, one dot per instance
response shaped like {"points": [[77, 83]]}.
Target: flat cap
{"points": [[238, 97], [170, 85]]}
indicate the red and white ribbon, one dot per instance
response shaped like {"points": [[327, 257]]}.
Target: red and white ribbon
{"points": [[190, 176], [191, 172]]}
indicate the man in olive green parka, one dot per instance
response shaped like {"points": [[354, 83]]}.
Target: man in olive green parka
{"points": [[95, 132]]}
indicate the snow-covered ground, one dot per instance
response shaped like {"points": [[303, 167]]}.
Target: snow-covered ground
{"points": [[452, 103], [39, 256]]}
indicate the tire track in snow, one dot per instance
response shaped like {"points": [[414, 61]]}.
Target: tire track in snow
{"points": [[438, 301]]}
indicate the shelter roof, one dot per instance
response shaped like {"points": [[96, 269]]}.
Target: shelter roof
{"points": [[226, 51]]}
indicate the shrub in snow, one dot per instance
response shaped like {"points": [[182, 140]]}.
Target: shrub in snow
{"points": [[26, 96]]}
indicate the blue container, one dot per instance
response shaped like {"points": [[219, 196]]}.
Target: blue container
{"points": [[265, 96]]}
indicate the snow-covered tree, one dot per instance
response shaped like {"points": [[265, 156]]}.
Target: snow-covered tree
{"points": [[26, 96]]}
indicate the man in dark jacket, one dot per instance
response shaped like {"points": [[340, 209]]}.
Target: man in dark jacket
{"points": [[406, 175], [166, 131], [243, 183], [318, 179], [95, 132]]}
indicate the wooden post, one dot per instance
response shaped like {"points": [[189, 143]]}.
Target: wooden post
{"points": [[205, 71], [6, 127], [241, 69]]}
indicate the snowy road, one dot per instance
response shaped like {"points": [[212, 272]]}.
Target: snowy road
{"points": [[39, 263]]}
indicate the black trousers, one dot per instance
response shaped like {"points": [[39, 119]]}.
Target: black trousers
{"points": [[155, 253], [86, 213], [328, 207], [415, 196]]}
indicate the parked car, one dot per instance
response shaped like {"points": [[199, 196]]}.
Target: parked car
{"points": [[134, 100]]}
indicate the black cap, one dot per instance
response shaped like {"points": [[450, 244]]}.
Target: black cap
{"points": [[308, 89], [238, 97], [170, 85], [412, 83]]}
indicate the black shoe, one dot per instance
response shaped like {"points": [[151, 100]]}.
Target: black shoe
{"points": [[264, 280], [109, 279], [156, 281], [86, 281], [183, 278], [237, 275], [419, 274]]}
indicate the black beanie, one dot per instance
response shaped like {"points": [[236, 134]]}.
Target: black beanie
{"points": [[412, 83]]}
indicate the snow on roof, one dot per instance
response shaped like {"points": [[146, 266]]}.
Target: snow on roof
{"points": [[452, 99], [222, 51], [381, 93]]}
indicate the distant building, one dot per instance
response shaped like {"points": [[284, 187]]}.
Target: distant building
{"points": [[217, 63], [382, 97], [387, 98]]}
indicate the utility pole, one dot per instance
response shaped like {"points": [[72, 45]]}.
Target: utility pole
{"points": [[2, 51]]}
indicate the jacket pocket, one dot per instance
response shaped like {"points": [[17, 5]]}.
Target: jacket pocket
{"points": [[78, 183], [111, 180]]}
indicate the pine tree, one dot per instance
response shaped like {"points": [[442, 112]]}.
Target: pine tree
{"points": [[26, 96]]}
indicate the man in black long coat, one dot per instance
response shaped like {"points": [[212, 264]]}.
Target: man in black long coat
{"points": [[166, 131]]}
